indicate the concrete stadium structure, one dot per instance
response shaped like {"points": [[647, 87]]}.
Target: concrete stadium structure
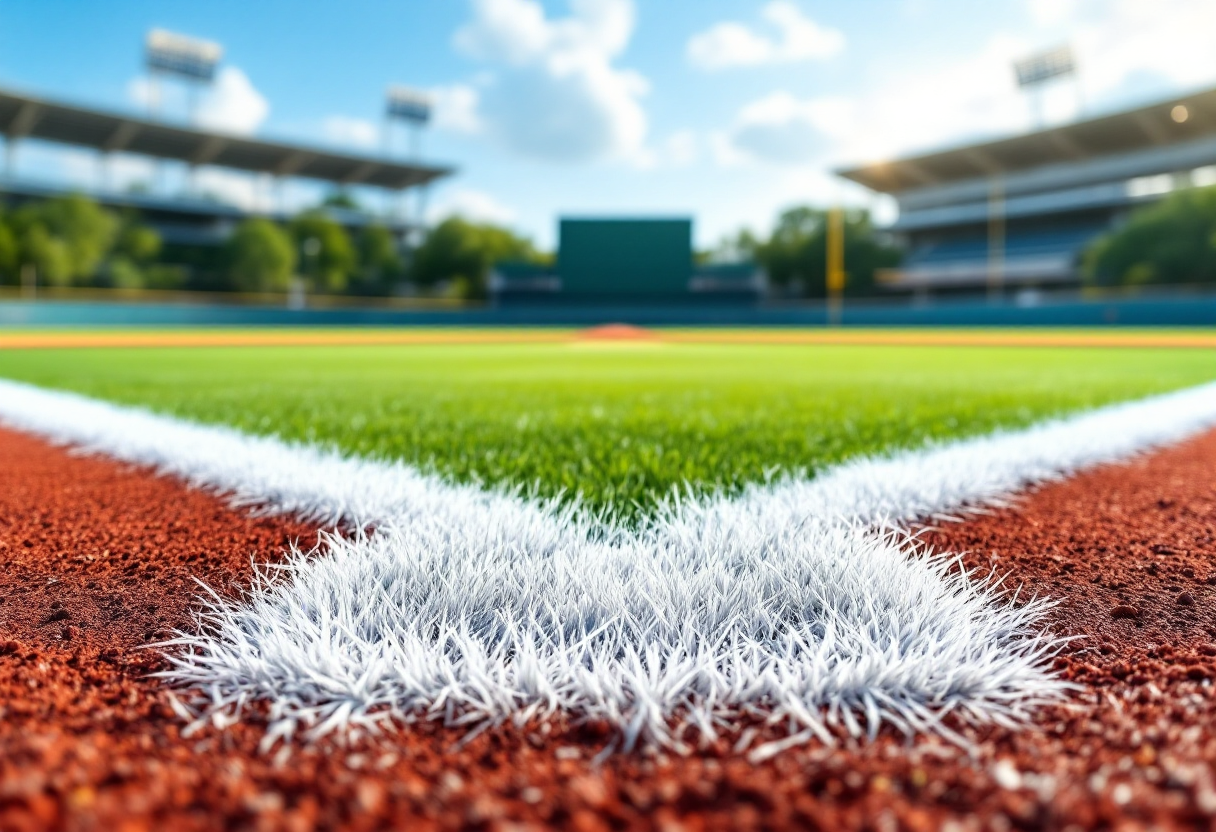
{"points": [[1018, 212], [188, 218]]}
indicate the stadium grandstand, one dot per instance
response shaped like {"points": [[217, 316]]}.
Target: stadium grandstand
{"points": [[189, 218], [1018, 212]]}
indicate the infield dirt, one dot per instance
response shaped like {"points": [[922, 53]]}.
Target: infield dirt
{"points": [[99, 558]]}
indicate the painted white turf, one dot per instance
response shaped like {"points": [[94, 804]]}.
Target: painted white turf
{"points": [[798, 602]]}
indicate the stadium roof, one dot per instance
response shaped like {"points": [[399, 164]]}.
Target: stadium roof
{"points": [[1155, 125], [22, 116]]}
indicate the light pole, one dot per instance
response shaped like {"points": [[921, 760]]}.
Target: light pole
{"points": [[1036, 71], [188, 59], [412, 107], [191, 60]]}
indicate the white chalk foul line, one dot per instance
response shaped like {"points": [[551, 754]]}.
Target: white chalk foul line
{"points": [[794, 601]]}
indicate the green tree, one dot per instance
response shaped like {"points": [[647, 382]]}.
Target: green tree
{"points": [[795, 255], [138, 242], [380, 263], [261, 257], [38, 249], [732, 248], [133, 257], [65, 239], [86, 229], [10, 255], [335, 260], [1173, 241], [341, 198], [461, 253]]}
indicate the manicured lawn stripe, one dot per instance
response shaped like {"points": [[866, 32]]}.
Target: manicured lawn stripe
{"points": [[622, 425]]}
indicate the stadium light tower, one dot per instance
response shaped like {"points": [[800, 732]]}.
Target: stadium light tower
{"points": [[190, 60], [413, 108], [1036, 72]]}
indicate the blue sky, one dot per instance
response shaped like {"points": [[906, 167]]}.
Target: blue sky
{"points": [[722, 109]]}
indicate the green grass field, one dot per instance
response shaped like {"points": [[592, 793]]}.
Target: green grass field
{"points": [[620, 424]]}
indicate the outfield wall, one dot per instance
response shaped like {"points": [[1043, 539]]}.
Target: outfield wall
{"points": [[1170, 311]]}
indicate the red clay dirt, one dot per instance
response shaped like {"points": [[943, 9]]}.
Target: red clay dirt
{"points": [[618, 332], [98, 558]]}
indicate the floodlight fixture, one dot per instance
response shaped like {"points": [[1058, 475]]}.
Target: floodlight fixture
{"points": [[409, 105], [1035, 72], [180, 55], [1045, 66]]}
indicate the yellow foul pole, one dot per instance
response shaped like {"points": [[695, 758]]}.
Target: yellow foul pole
{"points": [[835, 264]]}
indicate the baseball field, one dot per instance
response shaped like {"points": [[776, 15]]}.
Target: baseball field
{"points": [[607, 579]]}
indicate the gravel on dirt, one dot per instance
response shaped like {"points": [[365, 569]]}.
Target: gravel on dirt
{"points": [[99, 559]]}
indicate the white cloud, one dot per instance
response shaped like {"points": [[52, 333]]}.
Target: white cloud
{"points": [[143, 92], [723, 151], [249, 192], [782, 129], [952, 101], [795, 39], [84, 169], [456, 109], [121, 171], [354, 132], [518, 32], [556, 94], [1119, 42], [118, 172], [682, 148], [232, 104], [678, 150], [568, 111], [514, 31], [1126, 50], [472, 205], [1052, 12]]}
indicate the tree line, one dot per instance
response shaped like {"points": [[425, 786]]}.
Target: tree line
{"points": [[454, 258], [73, 241], [1171, 241], [794, 256]]}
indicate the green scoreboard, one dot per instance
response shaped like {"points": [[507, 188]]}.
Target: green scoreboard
{"points": [[627, 258]]}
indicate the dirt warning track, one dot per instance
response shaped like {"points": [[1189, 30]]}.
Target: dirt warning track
{"points": [[99, 558], [291, 337]]}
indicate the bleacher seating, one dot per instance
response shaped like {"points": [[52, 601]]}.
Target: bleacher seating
{"points": [[1034, 244]]}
